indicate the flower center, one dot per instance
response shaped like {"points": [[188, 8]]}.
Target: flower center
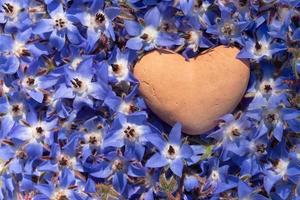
{"points": [[127, 108], [149, 34], [30, 81], [119, 69], [78, 85], [130, 133], [261, 49], [60, 23], [75, 63], [63, 161], [60, 194], [267, 88], [100, 18], [21, 154], [272, 118], [17, 109], [115, 68], [228, 29], [171, 151], [39, 130], [10, 10], [19, 49], [261, 148], [94, 139], [215, 176], [233, 131], [118, 165], [281, 167]]}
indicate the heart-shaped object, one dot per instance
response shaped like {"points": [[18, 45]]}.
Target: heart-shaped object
{"points": [[195, 93]]}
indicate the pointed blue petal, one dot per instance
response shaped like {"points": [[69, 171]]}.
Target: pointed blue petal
{"points": [[175, 134], [134, 43], [177, 166], [157, 160]]}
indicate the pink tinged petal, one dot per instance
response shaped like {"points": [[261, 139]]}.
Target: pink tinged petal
{"points": [[157, 160]]}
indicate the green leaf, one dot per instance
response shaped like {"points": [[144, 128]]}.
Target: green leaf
{"points": [[207, 153]]}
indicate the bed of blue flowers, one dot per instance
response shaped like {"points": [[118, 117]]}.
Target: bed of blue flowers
{"points": [[74, 127]]}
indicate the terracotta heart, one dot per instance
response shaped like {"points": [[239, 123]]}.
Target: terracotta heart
{"points": [[195, 93]]}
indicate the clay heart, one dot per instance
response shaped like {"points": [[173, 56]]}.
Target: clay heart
{"points": [[195, 93]]}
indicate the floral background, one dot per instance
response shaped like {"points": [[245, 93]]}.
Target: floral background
{"points": [[74, 127]]}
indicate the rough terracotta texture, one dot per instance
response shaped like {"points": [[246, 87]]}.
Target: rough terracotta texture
{"points": [[195, 93]]}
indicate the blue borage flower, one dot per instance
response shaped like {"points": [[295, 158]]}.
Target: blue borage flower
{"points": [[130, 131], [228, 28], [98, 20], [282, 170], [58, 26], [14, 51], [273, 90], [14, 15], [273, 119], [119, 170], [230, 136], [218, 177], [149, 36], [171, 153], [81, 87], [259, 48]]}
